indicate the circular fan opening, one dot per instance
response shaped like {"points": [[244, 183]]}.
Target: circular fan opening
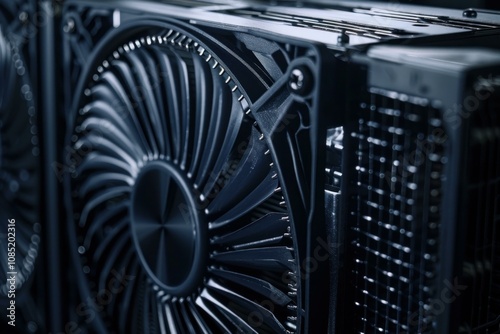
{"points": [[175, 189]]}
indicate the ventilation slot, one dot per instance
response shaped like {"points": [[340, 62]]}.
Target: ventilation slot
{"points": [[350, 28]]}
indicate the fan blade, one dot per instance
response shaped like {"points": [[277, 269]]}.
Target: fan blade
{"points": [[159, 117], [259, 194], [149, 112], [174, 100], [100, 198], [162, 321], [251, 170], [139, 114], [200, 302], [104, 180], [120, 83], [271, 225], [228, 143], [118, 252], [103, 220], [267, 316], [186, 110], [106, 129], [272, 258], [240, 325], [118, 235], [101, 109], [187, 318], [171, 318], [95, 161], [204, 92], [107, 148], [109, 104], [202, 325], [216, 133], [115, 286], [257, 285], [127, 297]]}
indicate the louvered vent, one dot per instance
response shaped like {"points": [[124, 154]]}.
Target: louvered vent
{"points": [[395, 215]]}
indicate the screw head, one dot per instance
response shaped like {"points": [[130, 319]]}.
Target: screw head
{"points": [[343, 38], [470, 13], [300, 80], [23, 17], [69, 27]]}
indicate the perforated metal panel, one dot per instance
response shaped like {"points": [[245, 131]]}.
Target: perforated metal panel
{"points": [[395, 216]]}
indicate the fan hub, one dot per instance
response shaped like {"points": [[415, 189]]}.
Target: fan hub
{"points": [[167, 228]]}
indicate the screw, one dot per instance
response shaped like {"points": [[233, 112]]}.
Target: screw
{"points": [[343, 38], [470, 13], [69, 26], [300, 80], [23, 17]]}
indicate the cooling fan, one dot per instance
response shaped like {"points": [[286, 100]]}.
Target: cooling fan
{"points": [[180, 216], [19, 161]]}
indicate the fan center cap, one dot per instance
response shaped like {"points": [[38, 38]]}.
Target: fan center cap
{"points": [[167, 229]]}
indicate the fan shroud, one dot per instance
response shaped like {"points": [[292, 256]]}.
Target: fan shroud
{"points": [[159, 104]]}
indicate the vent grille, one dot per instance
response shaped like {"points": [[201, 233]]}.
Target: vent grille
{"points": [[350, 28], [395, 217], [482, 262], [427, 19]]}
